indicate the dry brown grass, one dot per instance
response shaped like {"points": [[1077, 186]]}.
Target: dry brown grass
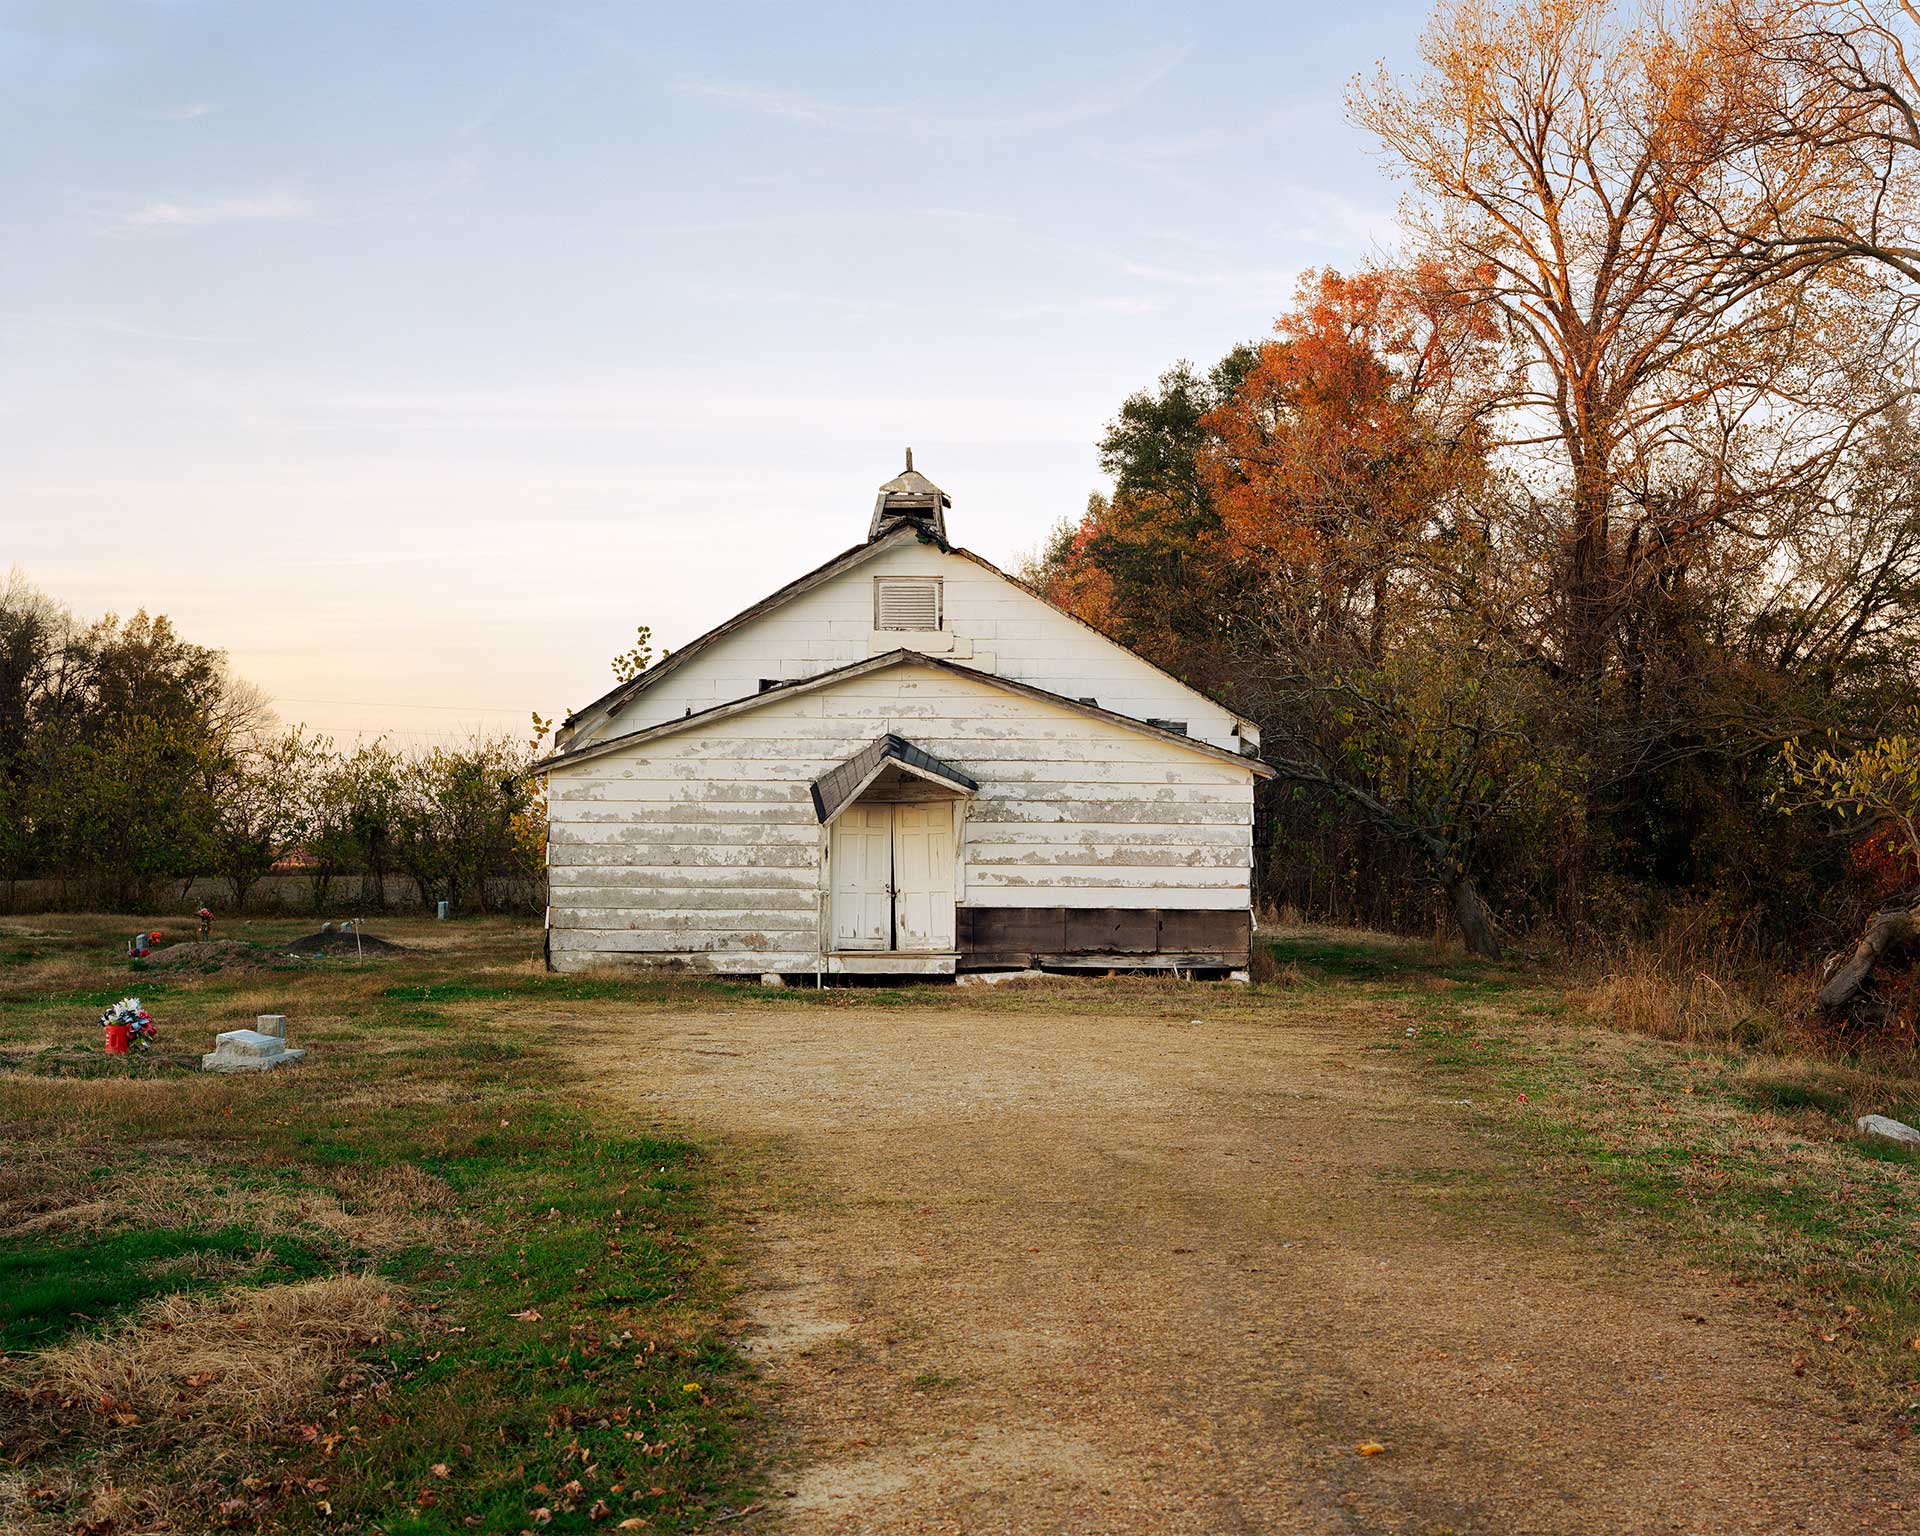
{"points": [[51, 1190], [132, 1508], [213, 1373], [1695, 1007]]}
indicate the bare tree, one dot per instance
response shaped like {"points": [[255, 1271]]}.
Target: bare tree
{"points": [[1611, 180]]}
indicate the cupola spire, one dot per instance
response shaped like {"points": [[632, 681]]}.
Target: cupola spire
{"points": [[910, 497]]}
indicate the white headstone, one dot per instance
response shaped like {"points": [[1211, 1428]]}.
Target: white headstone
{"points": [[1891, 1130], [250, 1050]]}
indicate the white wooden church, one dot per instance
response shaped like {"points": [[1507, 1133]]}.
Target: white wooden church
{"points": [[903, 763]]}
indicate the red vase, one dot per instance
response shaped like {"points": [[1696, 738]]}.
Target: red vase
{"points": [[117, 1039]]}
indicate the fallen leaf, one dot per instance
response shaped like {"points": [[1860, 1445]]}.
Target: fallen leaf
{"points": [[528, 1316], [542, 1515], [632, 1524], [440, 1469], [1369, 1448]]}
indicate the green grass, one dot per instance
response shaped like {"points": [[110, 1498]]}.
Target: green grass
{"points": [[1789, 1094], [419, 1070], [449, 992], [48, 1290], [563, 1377]]}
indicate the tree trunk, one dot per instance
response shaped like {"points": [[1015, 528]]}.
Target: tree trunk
{"points": [[1887, 931], [1589, 568], [1475, 918]]}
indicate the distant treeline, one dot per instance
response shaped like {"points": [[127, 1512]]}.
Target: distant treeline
{"points": [[133, 762]]}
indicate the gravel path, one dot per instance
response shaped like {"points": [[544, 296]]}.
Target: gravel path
{"points": [[1054, 1272]]}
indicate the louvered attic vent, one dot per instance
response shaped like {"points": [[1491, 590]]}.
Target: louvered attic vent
{"points": [[906, 602]]}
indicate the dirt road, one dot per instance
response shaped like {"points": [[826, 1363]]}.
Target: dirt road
{"points": [[1052, 1272]]}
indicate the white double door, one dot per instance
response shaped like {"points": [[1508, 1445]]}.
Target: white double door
{"points": [[892, 868]]}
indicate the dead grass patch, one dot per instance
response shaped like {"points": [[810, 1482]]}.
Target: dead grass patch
{"points": [[1750, 1158], [1692, 1006], [53, 976], [54, 1191], [212, 1373], [61, 1503], [384, 1209]]}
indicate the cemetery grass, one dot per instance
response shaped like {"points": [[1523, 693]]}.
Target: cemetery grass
{"points": [[407, 1285], [483, 1291]]}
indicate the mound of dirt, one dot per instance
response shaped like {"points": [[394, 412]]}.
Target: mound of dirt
{"points": [[218, 953], [338, 943]]}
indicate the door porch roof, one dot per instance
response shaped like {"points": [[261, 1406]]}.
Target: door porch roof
{"points": [[842, 784]]}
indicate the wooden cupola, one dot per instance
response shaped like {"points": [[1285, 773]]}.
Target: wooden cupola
{"points": [[910, 497]]}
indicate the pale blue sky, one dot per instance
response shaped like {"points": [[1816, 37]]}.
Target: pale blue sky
{"points": [[415, 351]]}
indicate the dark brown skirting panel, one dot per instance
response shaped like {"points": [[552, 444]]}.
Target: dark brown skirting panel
{"points": [[1013, 938]]}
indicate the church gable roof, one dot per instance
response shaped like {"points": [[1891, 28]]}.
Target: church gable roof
{"points": [[616, 699], [908, 508]]}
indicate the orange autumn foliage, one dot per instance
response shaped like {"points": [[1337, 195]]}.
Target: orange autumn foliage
{"points": [[1353, 428]]}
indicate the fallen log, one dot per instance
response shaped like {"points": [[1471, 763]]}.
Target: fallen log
{"points": [[1888, 930]]}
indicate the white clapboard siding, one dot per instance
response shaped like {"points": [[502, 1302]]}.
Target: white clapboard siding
{"points": [[701, 847], [989, 621]]}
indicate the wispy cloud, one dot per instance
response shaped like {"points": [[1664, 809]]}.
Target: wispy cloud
{"points": [[1320, 217], [114, 327], [1227, 276], [255, 208], [188, 111], [1044, 309], [988, 120], [798, 108]]}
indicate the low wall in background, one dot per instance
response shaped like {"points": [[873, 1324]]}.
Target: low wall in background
{"points": [[347, 895]]}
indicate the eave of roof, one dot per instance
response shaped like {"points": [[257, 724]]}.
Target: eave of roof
{"points": [[563, 760]]}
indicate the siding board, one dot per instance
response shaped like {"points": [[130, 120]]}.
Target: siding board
{"points": [[701, 846]]}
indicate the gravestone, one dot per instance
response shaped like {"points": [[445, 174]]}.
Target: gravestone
{"points": [[1890, 1130], [259, 1049]]}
